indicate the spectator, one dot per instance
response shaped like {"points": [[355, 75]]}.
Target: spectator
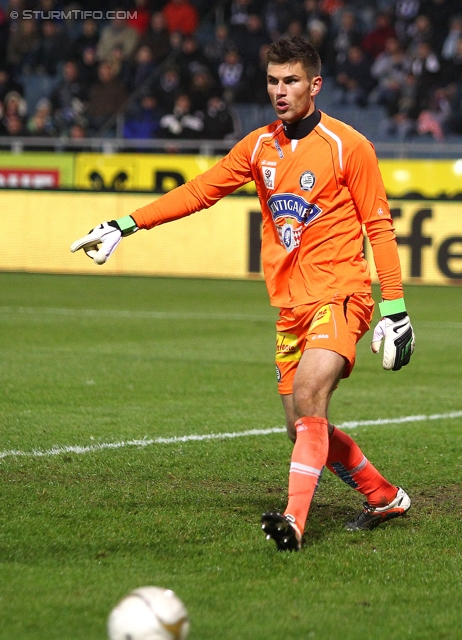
{"points": [[389, 71], [218, 121], [13, 126], [14, 111], [68, 97], [141, 70], [191, 59], [88, 66], [117, 33], [120, 65], [373, 43], [294, 28], [23, 39], [346, 35], [140, 17], [201, 88], [318, 36], [230, 72], [403, 114], [7, 83], [142, 121], [182, 123], [354, 78], [420, 30], [311, 11], [41, 122], [181, 16], [254, 85], [439, 14], [239, 11], [106, 97], [426, 68], [156, 38], [277, 15], [250, 38], [434, 120], [451, 42], [89, 37], [406, 11], [51, 49], [167, 88], [216, 47], [78, 131]]}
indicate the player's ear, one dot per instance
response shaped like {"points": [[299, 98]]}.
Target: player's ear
{"points": [[316, 85]]}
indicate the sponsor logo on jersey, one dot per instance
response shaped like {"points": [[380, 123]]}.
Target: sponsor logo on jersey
{"points": [[307, 180], [291, 214], [278, 149], [322, 317], [269, 174], [287, 349]]}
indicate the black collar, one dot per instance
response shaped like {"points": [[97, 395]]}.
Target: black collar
{"points": [[301, 128]]}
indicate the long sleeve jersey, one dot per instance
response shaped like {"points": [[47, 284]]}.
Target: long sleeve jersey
{"points": [[316, 194]]}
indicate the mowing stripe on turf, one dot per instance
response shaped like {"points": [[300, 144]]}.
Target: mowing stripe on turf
{"points": [[135, 315], [169, 315], [214, 436]]}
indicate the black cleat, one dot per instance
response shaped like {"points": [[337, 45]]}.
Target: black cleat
{"points": [[371, 516], [283, 530]]}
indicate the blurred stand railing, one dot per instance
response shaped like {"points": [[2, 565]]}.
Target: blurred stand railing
{"points": [[449, 150]]}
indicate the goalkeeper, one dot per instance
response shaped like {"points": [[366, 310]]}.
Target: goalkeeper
{"points": [[318, 184]]}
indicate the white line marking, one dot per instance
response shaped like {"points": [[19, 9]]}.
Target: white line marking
{"points": [[39, 453], [142, 315], [173, 315]]}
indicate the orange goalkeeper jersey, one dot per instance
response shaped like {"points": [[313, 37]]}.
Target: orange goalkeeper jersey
{"points": [[316, 194]]}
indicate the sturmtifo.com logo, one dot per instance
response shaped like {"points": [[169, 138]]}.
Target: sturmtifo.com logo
{"points": [[73, 14]]}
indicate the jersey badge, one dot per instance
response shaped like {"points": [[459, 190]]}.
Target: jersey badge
{"points": [[307, 180], [269, 174]]}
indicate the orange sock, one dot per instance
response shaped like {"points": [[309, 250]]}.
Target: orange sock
{"points": [[348, 462], [308, 459]]}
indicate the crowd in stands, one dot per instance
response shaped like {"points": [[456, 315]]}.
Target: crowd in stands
{"points": [[177, 69]]}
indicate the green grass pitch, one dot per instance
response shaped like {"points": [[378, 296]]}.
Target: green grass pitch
{"points": [[91, 362]]}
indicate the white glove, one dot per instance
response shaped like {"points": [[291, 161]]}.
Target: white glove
{"points": [[102, 241], [399, 341]]}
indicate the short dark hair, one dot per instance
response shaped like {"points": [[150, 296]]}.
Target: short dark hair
{"points": [[296, 49]]}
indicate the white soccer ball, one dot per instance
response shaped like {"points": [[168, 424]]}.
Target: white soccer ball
{"points": [[149, 613]]}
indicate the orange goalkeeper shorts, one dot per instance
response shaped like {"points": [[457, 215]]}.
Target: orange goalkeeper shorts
{"points": [[336, 325]]}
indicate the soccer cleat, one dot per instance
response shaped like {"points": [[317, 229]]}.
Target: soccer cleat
{"points": [[283, 530], [371, 516]]}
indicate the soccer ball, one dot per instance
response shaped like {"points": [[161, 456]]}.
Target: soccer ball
{"points": [[149, 613]]}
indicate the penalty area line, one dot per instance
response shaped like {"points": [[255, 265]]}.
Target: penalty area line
{"points": [[145, 442]]}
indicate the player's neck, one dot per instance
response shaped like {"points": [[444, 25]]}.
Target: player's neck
{"points": [[301, 128]]}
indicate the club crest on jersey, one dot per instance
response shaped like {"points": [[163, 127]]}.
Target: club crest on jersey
{"points": [[269, 174], [307, 180]]}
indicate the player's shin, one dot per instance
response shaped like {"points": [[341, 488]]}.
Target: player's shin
{"points": [[346, 460], [308, 459]]}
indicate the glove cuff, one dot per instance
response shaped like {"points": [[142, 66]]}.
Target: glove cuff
{"points": [[127, 225], [390, 307]]}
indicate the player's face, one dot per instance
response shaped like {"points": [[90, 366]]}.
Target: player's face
{"points": [[291, 91]]}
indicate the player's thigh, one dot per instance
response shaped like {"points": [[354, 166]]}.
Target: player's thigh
{"points": [[338, 326], [318, 374]]}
